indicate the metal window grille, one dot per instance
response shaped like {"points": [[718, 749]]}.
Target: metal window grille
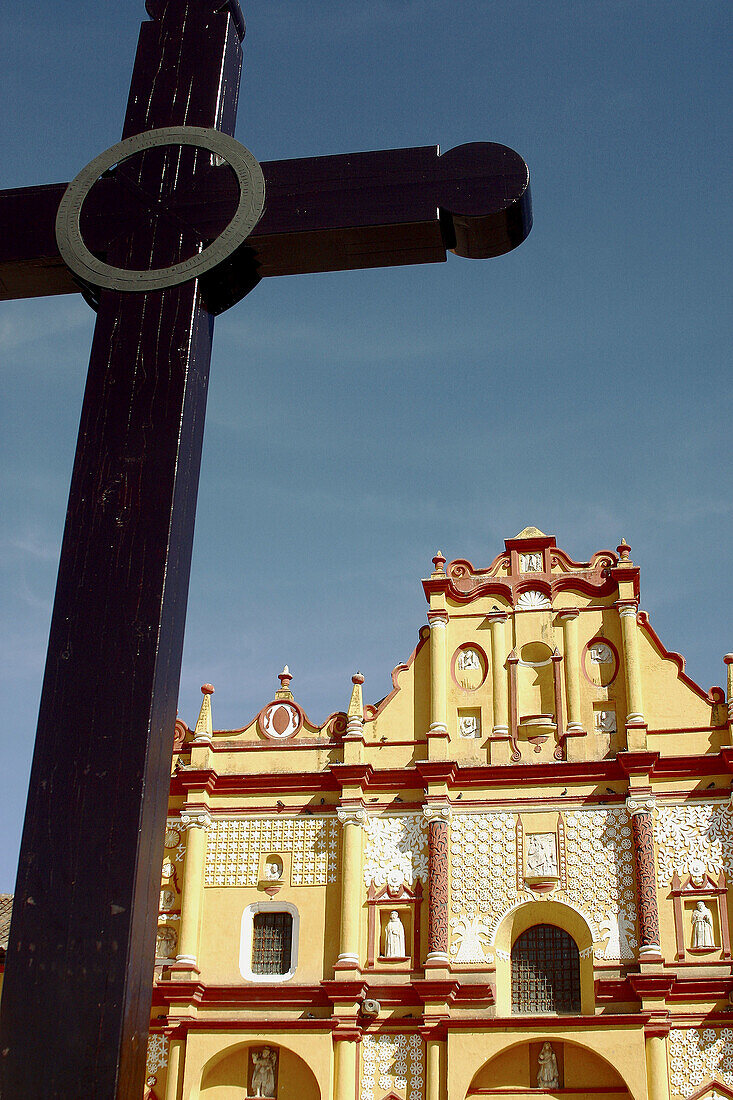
{"points": [[545, 971], [271, 943]]}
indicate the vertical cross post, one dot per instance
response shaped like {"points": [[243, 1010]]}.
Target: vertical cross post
{"points": [[78, 987]]}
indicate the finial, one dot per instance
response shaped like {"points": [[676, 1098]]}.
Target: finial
{"points": [[624, 550], [356, 703], [438, 562], [728, 658], [204, 728], [284, 692]]}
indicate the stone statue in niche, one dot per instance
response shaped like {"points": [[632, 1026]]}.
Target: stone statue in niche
{"points": [[167, 899], [468, 658], [548, 1076], [601, 654], [530, 563], [263, 1072], [541, 855], [606, 721], [273, 869], [702, 926], [165, 944], [468, 726], [394, 937]]}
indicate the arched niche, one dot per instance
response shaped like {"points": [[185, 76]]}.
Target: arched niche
{"points": [[581, 1069], [535, 680], [225, 1076], [517, 921]]}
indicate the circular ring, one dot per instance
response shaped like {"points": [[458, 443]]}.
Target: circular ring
{"points": [[249, 210]]}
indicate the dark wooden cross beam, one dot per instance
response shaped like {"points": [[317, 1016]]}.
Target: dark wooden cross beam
{"points": [[76, 1001]]}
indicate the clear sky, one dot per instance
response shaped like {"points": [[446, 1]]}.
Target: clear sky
{"points": [[358, 421]]}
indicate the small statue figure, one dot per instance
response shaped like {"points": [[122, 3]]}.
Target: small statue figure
{"points": [[273, 869], [394, 937], [541, 855], [167, 899], [547, 1072], [165, 945], [530, 563], [702, 926], [263, 1074], [468, 658]]}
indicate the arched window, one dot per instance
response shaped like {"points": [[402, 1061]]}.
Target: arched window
{"points": [[545, 971]]}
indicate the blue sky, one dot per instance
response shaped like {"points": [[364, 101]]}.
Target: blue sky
{"points": [[358, 421]]}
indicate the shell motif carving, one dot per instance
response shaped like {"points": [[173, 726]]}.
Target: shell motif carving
{"points": [[532, 600]]}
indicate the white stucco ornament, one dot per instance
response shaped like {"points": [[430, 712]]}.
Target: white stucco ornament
{"points": [[395, 849], [532, 600]]}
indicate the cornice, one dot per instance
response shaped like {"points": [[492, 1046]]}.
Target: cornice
{"points": [[457, 777]]}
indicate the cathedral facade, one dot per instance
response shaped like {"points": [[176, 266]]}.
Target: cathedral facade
{"points": [[508, 878]]}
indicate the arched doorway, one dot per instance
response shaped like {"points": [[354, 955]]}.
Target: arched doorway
{"points": [[578, 1071], [228, 1076], [545, 971]]}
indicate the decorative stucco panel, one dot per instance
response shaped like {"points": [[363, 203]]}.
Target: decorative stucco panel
{"points": [[392, 1063], [234, 847], [483, 880], [395, 849], [600, 877], [697, 1055], [686, 834]]}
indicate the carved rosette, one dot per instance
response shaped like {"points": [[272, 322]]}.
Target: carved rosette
{"points": [[642, 828], [437, 817]]}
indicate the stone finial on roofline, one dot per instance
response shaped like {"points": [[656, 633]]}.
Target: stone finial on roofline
{"points": [[204, 727]]}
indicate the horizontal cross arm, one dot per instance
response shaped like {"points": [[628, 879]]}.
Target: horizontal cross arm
{"points": [[377, 209]]}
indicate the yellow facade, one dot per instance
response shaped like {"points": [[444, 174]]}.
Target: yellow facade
{"points": [[509, 877]]}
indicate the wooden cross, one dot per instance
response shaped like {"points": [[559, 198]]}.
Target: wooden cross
{"points": [[76, 1002]]}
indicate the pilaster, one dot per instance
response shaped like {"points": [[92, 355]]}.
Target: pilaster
{"points": [[729, 693], [352, 815], [499, 653], [195, 819], [640, 809], [437, 814], [174, 1079], [438, 732]]}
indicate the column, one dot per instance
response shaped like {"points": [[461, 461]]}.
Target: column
{"points": [[195, 822], [345, 1054], [438, 622], [569, 619], [497, 620], [640, 811], [433, 1089], [632, 668], [437, 816], [656, 1066], [176, 1050], [351, 817]]}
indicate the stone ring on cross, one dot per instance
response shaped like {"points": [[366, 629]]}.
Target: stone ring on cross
{"points": [[248, 211]]}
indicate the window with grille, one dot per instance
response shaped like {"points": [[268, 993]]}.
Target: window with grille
{"points": [[272, 935], [545, 971]]}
